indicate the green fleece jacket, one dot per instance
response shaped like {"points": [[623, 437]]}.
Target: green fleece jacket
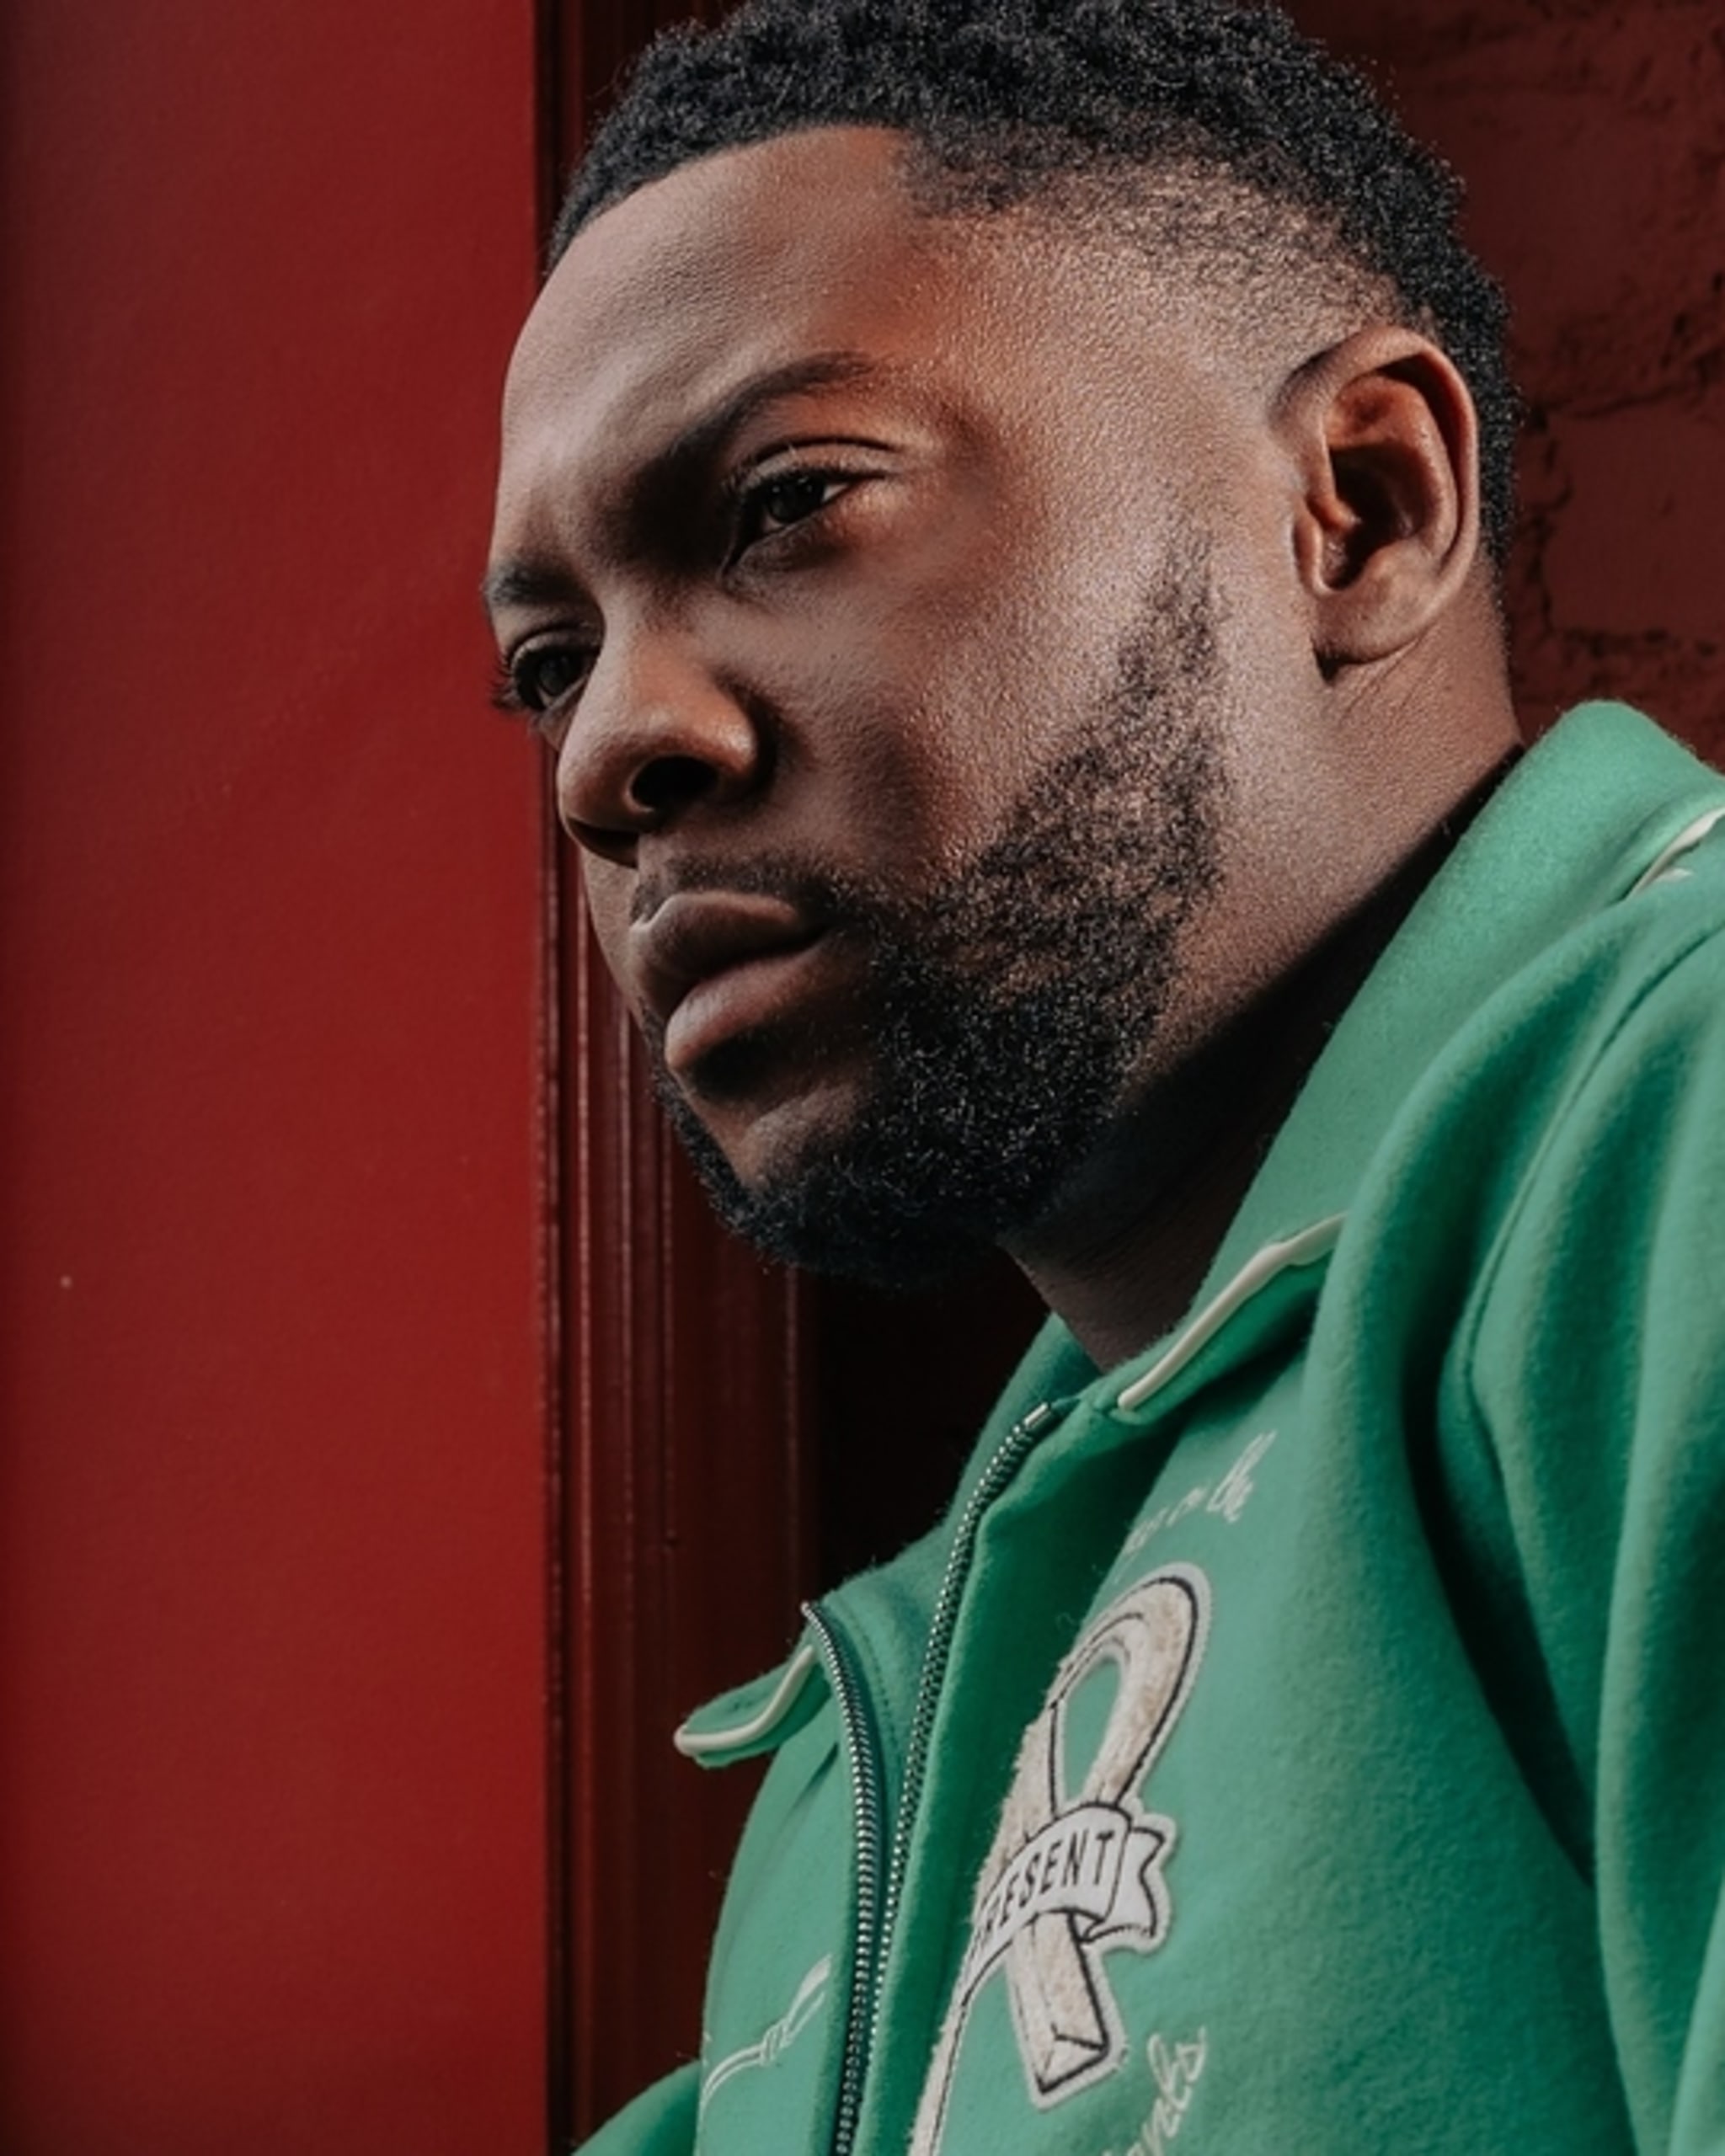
{"points": [[1311, 1736]]}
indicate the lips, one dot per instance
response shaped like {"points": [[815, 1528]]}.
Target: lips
{"points": [[708, 964]]}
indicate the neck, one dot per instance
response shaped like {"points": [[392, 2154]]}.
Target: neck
{"points": [[1121, 1256]]}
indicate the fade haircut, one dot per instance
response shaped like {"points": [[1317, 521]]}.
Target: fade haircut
{"points": [[1298, 171]]}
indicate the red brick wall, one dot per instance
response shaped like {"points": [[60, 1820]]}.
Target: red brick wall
{"points": [[1592, 135]]}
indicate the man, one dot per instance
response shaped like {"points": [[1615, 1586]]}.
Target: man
{"points": [[998, 524]]}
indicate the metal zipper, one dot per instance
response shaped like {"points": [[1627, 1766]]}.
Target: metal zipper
{"points": [[864, 2026], [869, 1805], [877, 1901]]}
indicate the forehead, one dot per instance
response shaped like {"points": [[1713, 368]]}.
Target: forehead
{"points": [[724, 266], [808, 247]]}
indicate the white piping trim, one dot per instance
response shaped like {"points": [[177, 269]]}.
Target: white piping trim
{"points": [[1305, 1248], [695, 1744], [1685, 841]]}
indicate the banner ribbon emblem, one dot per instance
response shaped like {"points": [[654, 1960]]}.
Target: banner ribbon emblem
{"points": [[1072, 1874]]}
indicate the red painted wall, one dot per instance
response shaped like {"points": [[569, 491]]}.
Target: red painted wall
{"points": [[1592, 135], [272, 1601]]}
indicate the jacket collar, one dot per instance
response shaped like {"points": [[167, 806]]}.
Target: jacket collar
{"points": [[1571, 830]]}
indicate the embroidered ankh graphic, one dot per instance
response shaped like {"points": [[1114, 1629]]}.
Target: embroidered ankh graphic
{"points": [[1074, 1873]]}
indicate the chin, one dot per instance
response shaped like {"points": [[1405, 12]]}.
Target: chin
{"points": [[808, 1183], [764, 1147]]}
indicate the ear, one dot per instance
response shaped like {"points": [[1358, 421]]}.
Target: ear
{"points": [[1384, 441]]}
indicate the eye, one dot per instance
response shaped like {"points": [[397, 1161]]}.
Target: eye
{"points": [[540, 676], [784, 499]]}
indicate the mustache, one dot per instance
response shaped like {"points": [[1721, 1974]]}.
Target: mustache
{"points": [[820, 898]]}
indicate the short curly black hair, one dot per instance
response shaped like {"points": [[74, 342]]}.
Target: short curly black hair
{"points": [[1007, 97]]}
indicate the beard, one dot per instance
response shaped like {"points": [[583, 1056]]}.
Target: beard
{"points": [[1008, 1005]]}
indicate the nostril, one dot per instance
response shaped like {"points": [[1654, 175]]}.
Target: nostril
{"points": [[609, 845], [671, 782]]}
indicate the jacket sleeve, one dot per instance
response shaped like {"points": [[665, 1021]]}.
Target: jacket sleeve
{"points": [[1600, 1374], [660, 2122]]}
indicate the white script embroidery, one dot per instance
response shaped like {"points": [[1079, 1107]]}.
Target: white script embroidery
{"points": [[1227, 1497], [1176, 2069], [810, 1997]]}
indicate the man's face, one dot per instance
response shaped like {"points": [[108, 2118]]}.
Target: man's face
{"points": [[863, 571]]}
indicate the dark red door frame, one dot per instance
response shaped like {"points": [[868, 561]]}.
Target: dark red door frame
{"points": [[686, 1549], [681, 1504]]}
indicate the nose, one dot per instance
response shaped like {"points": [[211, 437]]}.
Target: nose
{"points": [[658, 733]]}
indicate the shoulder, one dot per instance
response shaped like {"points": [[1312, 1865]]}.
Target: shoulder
{"points": [[1600, 1308]]}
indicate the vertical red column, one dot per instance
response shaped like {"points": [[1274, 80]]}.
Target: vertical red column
{"points": [[273, 1387]]}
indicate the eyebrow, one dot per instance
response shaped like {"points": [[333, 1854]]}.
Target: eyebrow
{"points": [[529, 583], [522, 583]]}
